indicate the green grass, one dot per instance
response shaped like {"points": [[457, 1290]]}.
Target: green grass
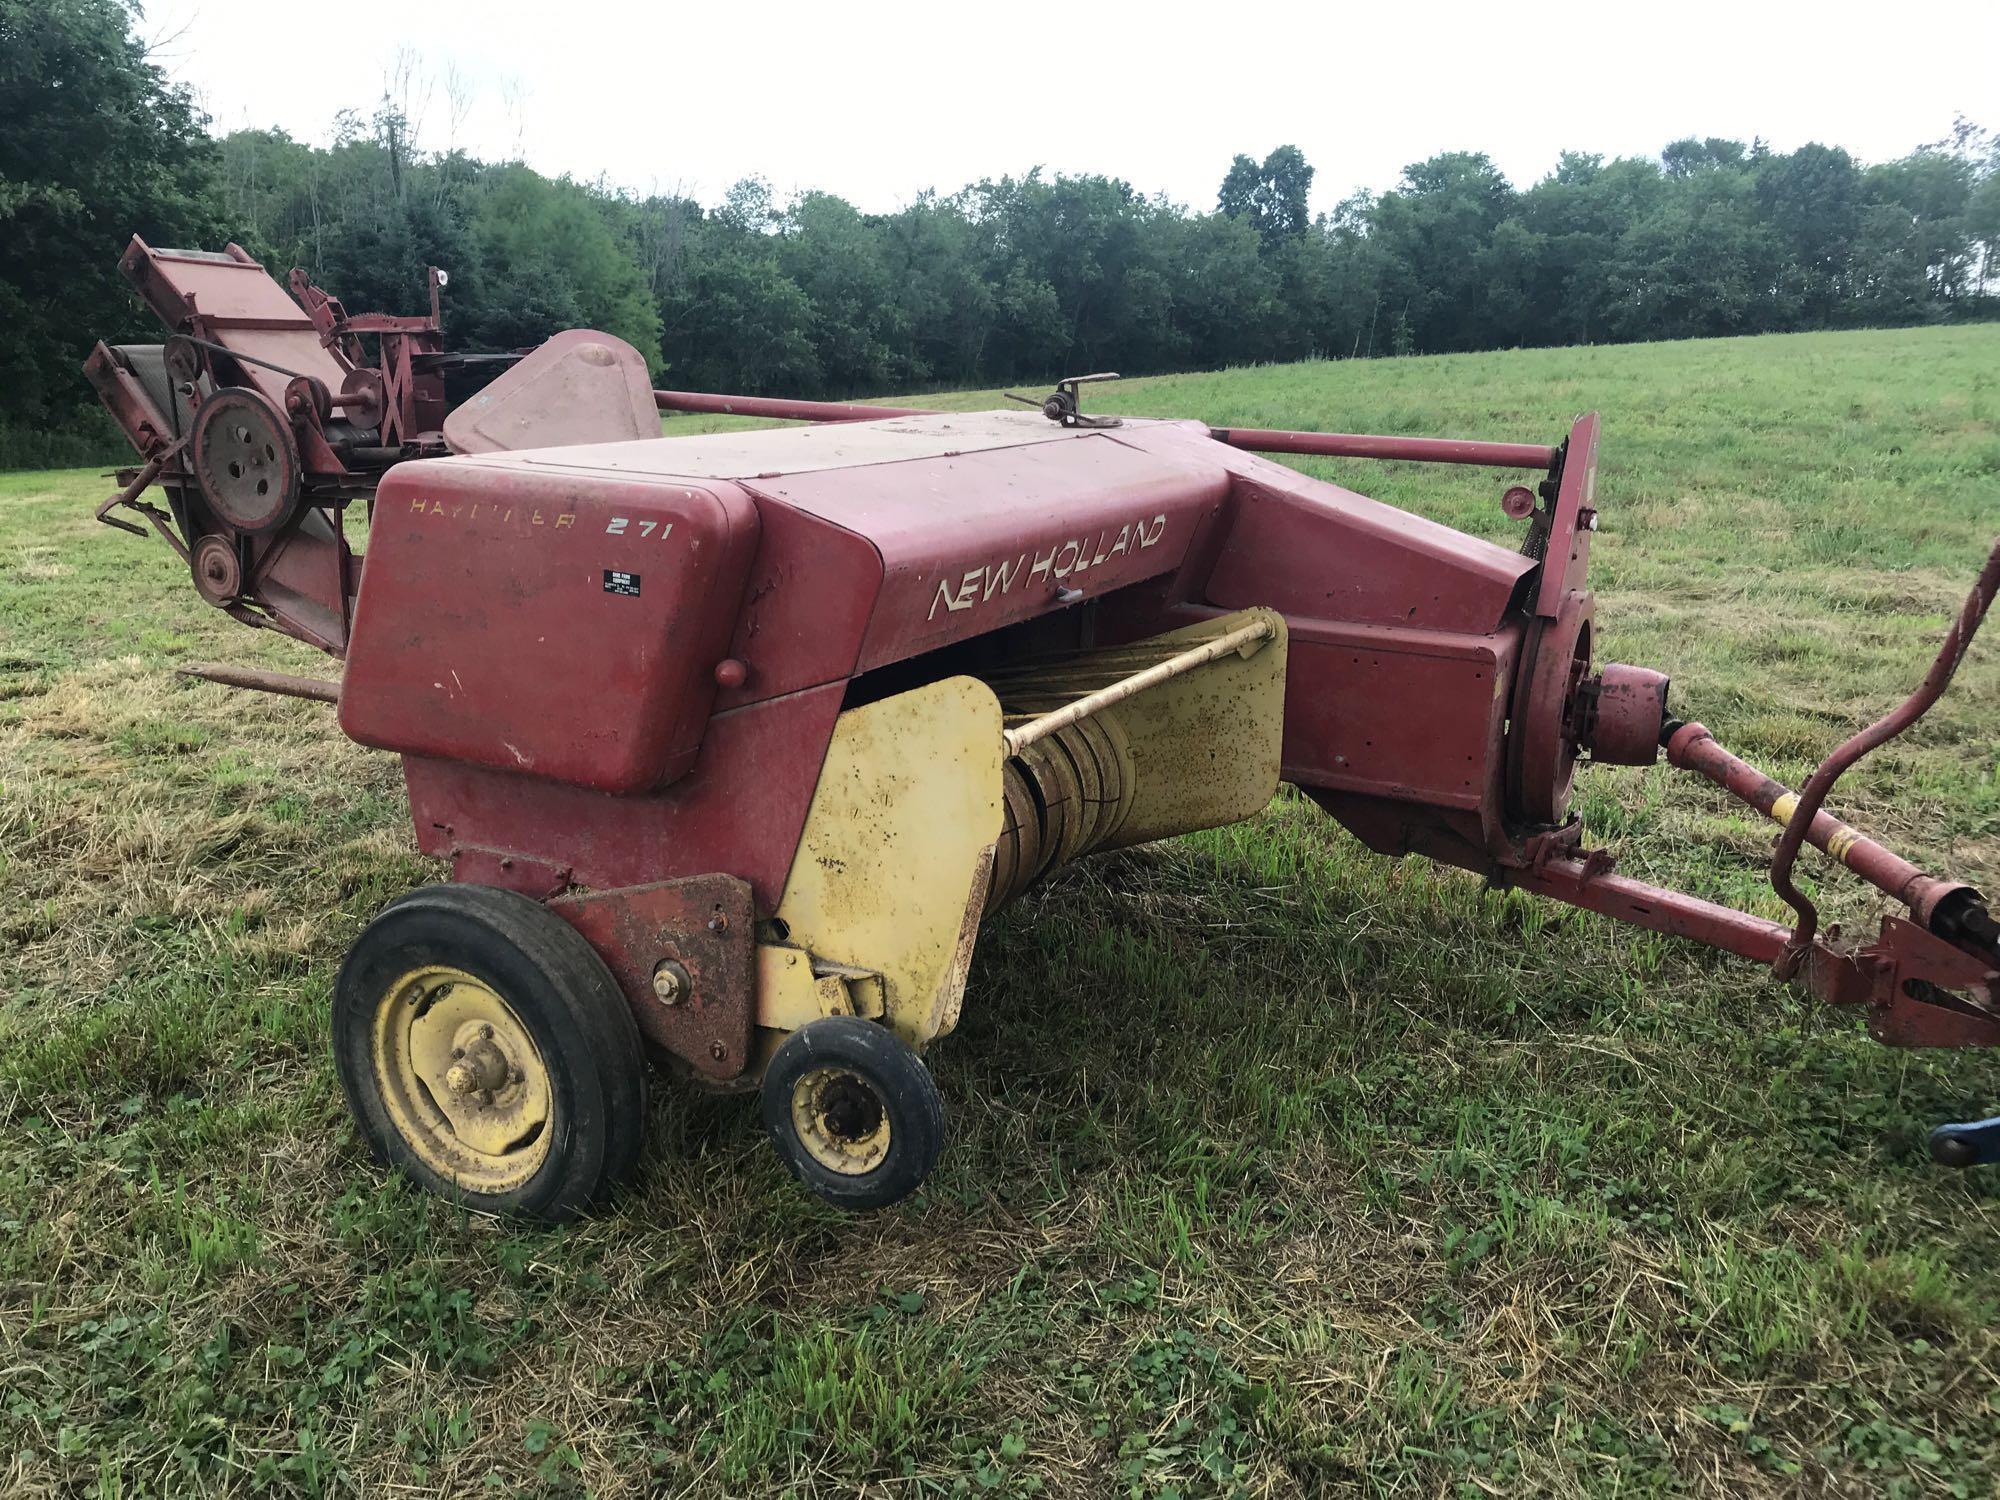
{"points": [[1277, 1169]]}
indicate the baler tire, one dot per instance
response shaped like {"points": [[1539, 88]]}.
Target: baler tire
{"points": [[845, 1049], [555, 988]]}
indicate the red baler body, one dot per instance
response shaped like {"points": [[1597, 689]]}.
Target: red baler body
{"points": [[540, 633], [619, 667]]}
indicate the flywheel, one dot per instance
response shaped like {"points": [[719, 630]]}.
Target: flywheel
{"points": [[246, 460]]}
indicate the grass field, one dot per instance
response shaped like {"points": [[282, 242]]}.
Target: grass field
{"points": [[1278, 1169]]}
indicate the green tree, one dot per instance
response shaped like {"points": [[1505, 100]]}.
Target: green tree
{"points": [[1811, 200], [1433, 228], [946, 305], [95, 146], [835, 256], [1226, 293], [1701, 262], [1982, 222], [1272, 196], [1688, 157], [1339, 282], [1933, 188], [733, 320], [552, 261], [1581, 211]]}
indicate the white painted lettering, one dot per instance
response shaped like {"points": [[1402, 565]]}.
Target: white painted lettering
{"points": [[1000, 576], [1063, 559]]}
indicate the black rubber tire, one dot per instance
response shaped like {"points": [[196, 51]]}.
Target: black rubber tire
{"points": [[902, 1084], [558, 986]]}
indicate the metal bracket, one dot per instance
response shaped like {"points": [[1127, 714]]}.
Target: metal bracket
{"points": [[794, 987], [683, 951], [1065, 405], [137, 486]]}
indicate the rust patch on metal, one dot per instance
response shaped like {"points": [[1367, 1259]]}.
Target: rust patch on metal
{"points": [[537, 879], [705, 925], [951, 994]]}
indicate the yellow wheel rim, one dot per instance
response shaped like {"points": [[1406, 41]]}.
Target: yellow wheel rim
{"points": [[840, 1118], [462, 1080]]}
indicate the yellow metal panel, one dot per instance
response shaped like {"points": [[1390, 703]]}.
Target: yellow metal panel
{"points": [[1206, 746], [786, 994], [891, 869], [794, 988]]}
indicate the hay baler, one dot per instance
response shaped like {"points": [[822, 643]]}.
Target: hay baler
{"points": [[732, 741]]}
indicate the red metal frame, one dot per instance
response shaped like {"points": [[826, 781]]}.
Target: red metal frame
{"points": [[1901, 978], [232, 325], [708, 403], [1416, 450]]}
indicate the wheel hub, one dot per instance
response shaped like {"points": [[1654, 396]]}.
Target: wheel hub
{"points": [[841, 1120], [462, 1079], [480, 1068]]}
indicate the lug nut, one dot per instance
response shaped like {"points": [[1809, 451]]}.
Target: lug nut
{"points": [[670, 982]]}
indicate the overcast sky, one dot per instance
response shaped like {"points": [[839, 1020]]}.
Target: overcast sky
{"points": [[879, 102]]}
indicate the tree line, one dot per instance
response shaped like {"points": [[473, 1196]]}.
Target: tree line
{"points": [[1014, 280]]}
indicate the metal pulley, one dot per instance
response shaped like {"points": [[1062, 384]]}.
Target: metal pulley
{"points": [[218, 571], [185, 360], [1541, 747], [246, 460]]}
